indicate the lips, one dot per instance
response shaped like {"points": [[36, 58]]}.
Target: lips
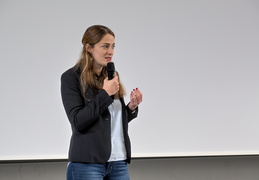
{"points": [[108, 58]]}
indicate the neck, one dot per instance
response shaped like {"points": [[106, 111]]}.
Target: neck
{"points": [[97, 70]]}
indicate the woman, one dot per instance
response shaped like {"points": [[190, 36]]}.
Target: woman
{"points": [[100, 145]]}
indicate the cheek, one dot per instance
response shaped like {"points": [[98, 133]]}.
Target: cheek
{"points": [[95, 54], [98, 55]]}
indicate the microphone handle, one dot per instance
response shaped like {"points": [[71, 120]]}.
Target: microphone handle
{"points": [[110, 75]]}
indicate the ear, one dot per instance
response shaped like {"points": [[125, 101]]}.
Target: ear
{"points": [[88, 48]]}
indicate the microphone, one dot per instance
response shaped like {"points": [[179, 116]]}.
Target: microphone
{"points": [[110, 70]]}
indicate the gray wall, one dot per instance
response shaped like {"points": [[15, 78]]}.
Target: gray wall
{"points": [[216, 168]]}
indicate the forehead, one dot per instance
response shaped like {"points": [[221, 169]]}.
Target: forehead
{"points": [[107, 38]]}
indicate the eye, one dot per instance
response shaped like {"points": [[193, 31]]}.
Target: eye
{"points": [[105, 46]]}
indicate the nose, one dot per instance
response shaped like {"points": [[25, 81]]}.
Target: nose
{"points": [[110, 50]]}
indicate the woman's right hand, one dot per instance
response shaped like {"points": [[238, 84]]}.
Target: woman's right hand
{"points": [[111, 86]]}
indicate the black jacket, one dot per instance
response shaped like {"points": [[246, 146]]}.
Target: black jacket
{"points": [[90, 121]]}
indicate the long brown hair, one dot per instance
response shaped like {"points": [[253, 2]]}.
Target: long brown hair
{"points": [[93, 35]]}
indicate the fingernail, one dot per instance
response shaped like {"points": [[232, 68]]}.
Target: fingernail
{"points": [[136, 88]]}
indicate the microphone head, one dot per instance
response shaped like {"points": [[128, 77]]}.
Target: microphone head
{"points": [[110, 66]]}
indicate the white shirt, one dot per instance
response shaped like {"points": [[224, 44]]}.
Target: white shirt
{"points": [[118, 151]]}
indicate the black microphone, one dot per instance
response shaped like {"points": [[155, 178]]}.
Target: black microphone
{"points": [[110, 70]]}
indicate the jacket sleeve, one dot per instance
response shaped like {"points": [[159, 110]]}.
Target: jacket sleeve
{"points": [[131, 114], [81, 113]]}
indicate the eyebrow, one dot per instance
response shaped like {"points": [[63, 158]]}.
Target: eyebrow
{"points": [[107, 43]]}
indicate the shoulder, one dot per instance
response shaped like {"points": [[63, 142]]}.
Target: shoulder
{"points": [[71, 73], [70, 78]]}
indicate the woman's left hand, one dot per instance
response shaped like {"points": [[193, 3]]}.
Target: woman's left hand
{"points": [[135, 99]]}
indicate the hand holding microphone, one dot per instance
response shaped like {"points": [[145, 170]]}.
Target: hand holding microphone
{"points": [[111, 86], [111, 83]]}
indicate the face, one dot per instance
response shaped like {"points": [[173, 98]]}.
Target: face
{"points": [[102, 51]]}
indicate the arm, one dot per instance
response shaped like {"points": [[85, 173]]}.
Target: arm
{"points": [[81, 113], [131, 114], [135, 100]]}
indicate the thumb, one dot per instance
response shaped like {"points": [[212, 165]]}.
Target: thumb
{"points": [[116, 78], [106, 79]]}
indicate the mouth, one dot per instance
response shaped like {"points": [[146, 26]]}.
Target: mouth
{"points": [[108, 59]]}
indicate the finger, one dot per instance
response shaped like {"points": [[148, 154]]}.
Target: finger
{"points": [[132, 105], [132, 98], [138, 92], [138, 95]]}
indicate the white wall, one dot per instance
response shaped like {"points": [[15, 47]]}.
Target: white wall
{"points": [[195, 61]]}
